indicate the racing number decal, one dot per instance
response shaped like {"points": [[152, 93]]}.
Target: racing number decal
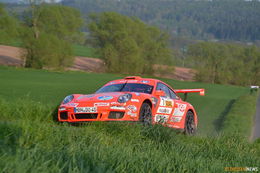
{"points": [[166, 102]]}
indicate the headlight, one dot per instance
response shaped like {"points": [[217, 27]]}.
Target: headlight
{"points": [[68, 99], [124, 98]]}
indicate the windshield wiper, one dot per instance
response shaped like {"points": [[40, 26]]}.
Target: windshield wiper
{"points": [[122, 87]]}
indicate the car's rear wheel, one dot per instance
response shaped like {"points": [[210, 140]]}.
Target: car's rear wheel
{"points": [[190, 126], [145, 115]]}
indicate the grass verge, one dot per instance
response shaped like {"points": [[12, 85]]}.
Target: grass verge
{"points": [[240, 117]]}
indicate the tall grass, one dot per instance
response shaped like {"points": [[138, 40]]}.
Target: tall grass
{"points": [[31, 142]]}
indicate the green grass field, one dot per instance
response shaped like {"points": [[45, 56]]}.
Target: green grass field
{"points": [[85, 51], [31, 142], [52, 87]]}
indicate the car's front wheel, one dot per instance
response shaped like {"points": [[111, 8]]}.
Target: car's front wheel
{"points": [[145, 115], [190, 127]]}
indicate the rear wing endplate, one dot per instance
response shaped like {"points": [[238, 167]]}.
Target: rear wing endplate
{"points": [[186, 91]]}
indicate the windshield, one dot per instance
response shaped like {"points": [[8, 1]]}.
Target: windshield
{"points": [[130, 87]]}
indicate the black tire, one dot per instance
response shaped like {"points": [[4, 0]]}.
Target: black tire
{"points": [[190, 127], [145, 115]]}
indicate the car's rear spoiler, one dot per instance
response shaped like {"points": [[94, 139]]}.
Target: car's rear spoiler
{"points": [[186, 91]]}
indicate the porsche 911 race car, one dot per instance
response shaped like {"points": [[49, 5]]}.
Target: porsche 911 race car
{"points": [[133, 98]]}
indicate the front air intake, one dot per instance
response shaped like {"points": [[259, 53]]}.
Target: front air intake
{"points": [[63, 115], [116, 115], [86, 116]]}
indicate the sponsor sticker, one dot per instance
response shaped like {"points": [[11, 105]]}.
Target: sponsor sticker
{"points": [[176, 119], [117, 107], [105, 98], [85, 96], [72, 104], [164, 110], [179, 111], [62, 108], [132, 114], [154, 100], [161, 118], [138, 94], [117, 104], [134, 100], [145, 81], [85, 109], [132, 108], [101, 104]]}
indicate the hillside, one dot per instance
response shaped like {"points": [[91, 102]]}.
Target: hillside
{"points": [[187, 18]]}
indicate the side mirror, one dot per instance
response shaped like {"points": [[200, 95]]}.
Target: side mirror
{"points": [[160, 93]]}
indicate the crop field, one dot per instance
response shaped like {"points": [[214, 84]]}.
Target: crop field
{"points": [[31, 142]]}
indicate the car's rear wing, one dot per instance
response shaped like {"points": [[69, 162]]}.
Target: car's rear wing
{"points": [[186, 91]]}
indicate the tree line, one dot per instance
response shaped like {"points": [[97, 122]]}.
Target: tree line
{"points": [[225, 63], [214, 19], [47, 31]]}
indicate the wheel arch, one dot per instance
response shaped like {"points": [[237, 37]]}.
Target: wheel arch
{"points": [[149, 102]]}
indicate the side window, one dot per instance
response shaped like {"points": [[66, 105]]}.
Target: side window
{"points": [[161, 86], [173, 95]]}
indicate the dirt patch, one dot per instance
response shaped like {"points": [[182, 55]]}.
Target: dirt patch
{"points": [[11, 56], [88, 64], [179, 73]]}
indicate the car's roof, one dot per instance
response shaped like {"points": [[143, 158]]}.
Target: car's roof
{"points": [[134, 79]]}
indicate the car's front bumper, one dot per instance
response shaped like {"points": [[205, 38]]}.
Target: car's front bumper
{"points": [[69, 115]]}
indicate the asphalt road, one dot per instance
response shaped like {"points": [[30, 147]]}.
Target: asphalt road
{"points": [[256, 130]]}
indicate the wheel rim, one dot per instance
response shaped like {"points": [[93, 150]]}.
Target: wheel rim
{"points": [[190, 125], [147, 115]]}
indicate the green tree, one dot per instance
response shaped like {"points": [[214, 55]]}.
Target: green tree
{"points": [[127, 44], [252, 62], [211, 62], [9, 26], [48, 33], [226, 63]]}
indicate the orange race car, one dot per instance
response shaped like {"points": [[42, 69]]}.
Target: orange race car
{"points": [[133, 98]]}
